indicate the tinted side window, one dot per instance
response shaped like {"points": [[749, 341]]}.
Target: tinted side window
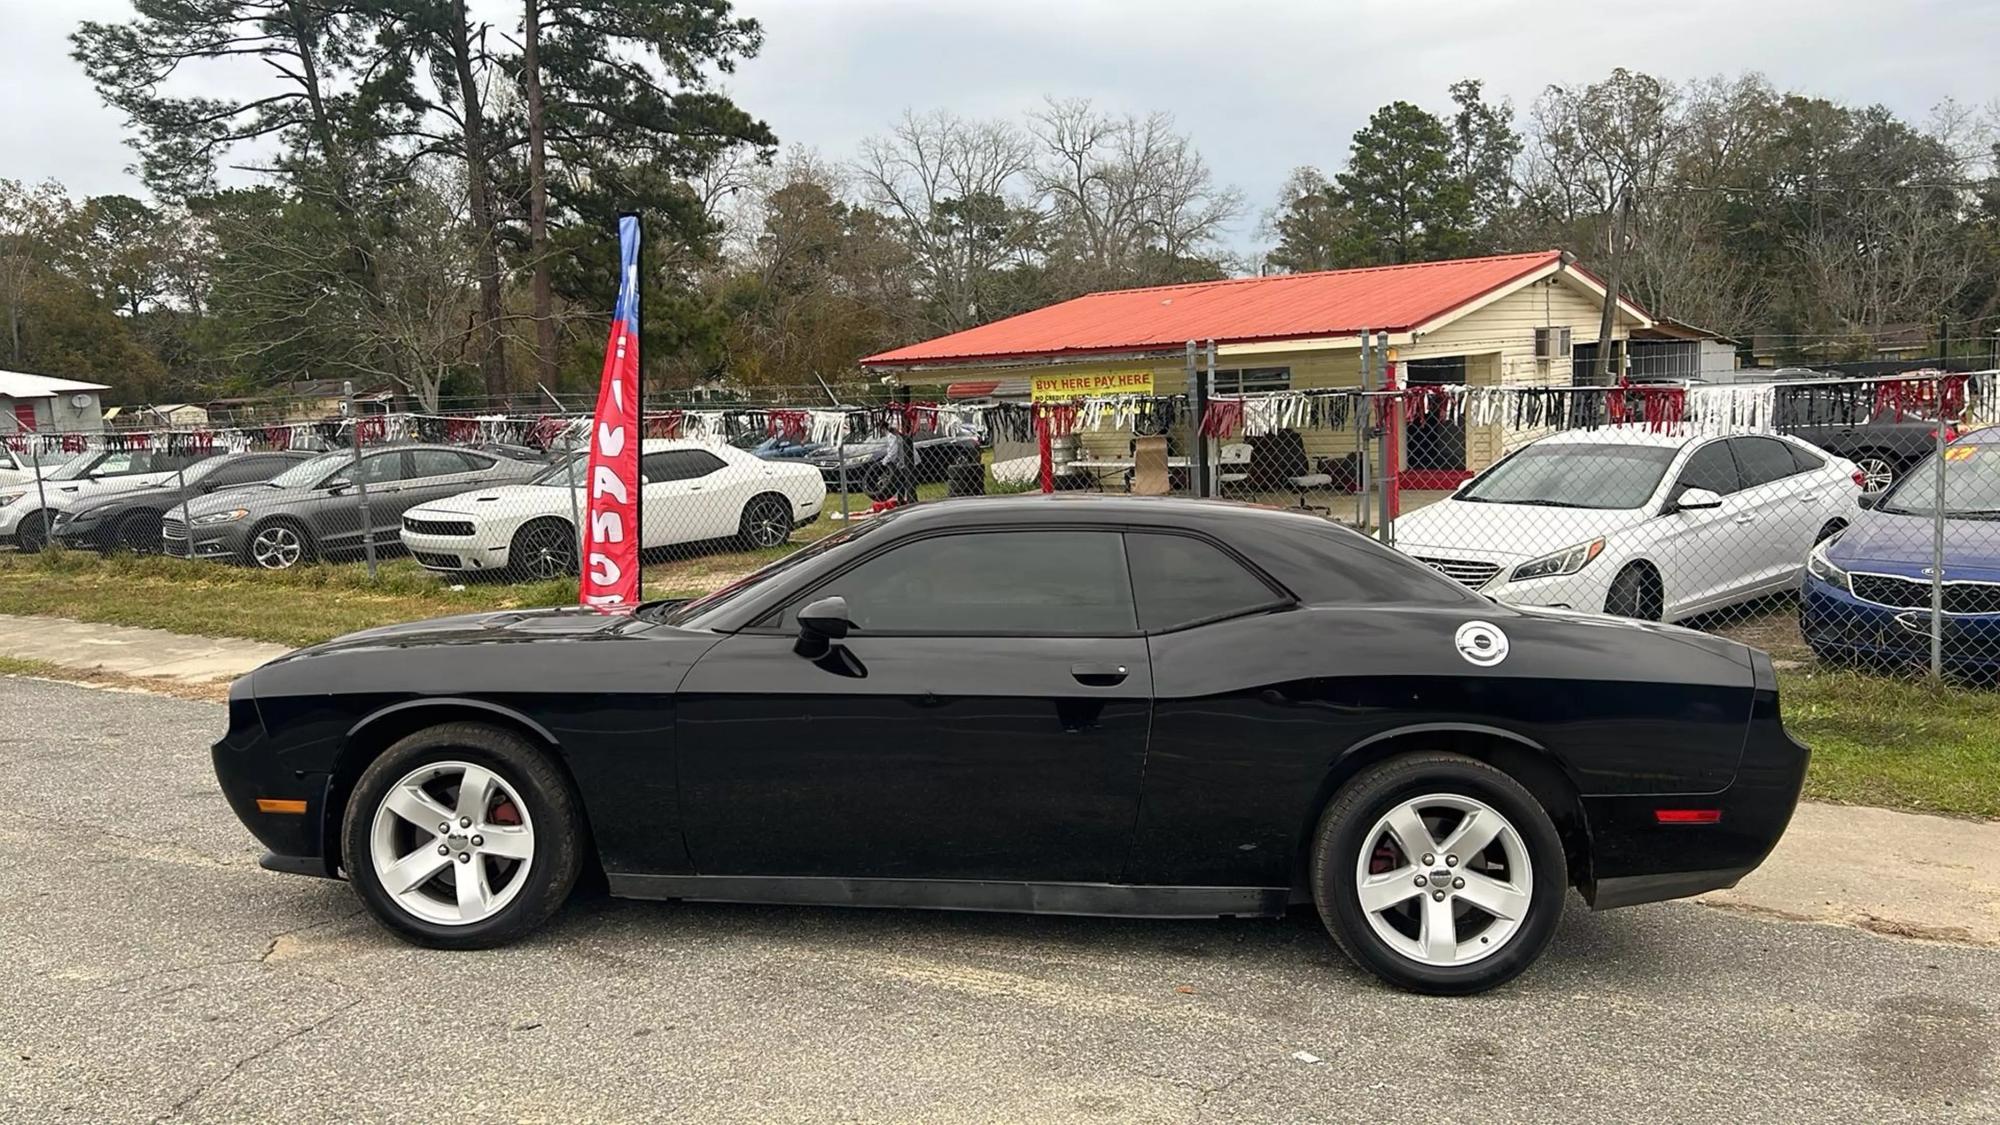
{"points": [[437, 463], [1712, 468], [244, 471], [1177, 580], [381, 468], [1048, 583], [1804, 460], [1761, 460], [475, 462], [679, 464]]}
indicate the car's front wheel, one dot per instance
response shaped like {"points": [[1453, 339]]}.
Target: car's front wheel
{"points": [[766, 523], [32, 534], [1438, 874], [278, 545], [543, 550], [462, 836]]}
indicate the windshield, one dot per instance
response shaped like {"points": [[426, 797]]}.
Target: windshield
{"points": [[687, 611], [565, 473], [310, 472], [1971, 485], [77, 465], [1573, 475]]}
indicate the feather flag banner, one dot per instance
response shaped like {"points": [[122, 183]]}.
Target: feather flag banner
{"points": [[611, 535]]}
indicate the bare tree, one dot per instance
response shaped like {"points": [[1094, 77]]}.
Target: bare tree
{"points": [[953, 187], [1126, 197]]}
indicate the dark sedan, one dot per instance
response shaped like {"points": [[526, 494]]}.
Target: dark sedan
{"points": [[861, 464], [313, 509], [131, 520], [1082, 705]]}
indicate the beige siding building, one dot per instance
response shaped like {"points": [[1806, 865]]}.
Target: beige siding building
{"points": [[1522, 319]]}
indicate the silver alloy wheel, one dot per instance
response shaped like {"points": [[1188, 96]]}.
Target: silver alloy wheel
{"points": [[1876, 473], [452, 843], [769, 526], [277, 547], [546, 552], [1444, 879]]}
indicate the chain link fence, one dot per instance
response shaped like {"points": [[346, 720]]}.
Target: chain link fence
{"points": [[1843, 522]]}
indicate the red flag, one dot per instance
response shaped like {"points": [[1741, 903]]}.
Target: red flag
{"points": [[611, 536]]}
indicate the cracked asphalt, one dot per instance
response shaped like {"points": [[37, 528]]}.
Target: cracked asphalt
{"points": [[149, 971]]}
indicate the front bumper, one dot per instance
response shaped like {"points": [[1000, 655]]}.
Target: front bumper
{"points": [[1840, 626], [250, 771], [98, 535], [451, 554], [1636, 858], [216, 541]]}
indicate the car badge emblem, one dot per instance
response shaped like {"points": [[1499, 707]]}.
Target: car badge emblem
{"points": [[1930, 572], [1481, 643]]}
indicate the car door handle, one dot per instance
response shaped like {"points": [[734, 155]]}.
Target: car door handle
{"points": [[1098, 675], [1745, 518]]}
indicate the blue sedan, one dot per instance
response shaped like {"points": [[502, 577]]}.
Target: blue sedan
{"points": [[1866, 595]]}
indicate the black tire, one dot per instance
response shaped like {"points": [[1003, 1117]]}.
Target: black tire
{"points": [[306, 553], [543, 550], [551, 807], [766, 522], [139, 533], [31, 535], [1635, 593], [1350, 819]]}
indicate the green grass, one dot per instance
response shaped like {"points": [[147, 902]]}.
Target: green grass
{"points": [[297, 607], [1896, 743]]}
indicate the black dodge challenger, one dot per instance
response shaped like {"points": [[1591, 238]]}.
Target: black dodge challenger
{"points": [[1070, 704]]}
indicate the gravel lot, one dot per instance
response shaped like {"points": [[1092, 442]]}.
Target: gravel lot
{"points": [[150, 971]]}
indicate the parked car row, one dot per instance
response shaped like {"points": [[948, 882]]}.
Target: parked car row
{"points": [[1667, 528], [456, 509], [864, 466]]}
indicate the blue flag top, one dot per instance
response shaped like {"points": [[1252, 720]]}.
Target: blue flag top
{"points": [[627, 310]]}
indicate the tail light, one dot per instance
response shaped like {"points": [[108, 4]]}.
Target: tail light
{"points": [[1950, 433], [1687, 816], [1860, 479]]}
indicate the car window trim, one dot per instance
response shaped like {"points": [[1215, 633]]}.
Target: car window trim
{"points": [[939, 533]]}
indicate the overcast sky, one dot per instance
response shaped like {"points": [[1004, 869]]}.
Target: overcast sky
{"points": [[1262, 85]]}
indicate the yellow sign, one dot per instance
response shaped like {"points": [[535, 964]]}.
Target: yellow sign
{"points": [[1960, 452], [1062, 388]]}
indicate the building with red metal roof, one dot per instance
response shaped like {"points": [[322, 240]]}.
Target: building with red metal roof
{"points": [[1510, 318]]}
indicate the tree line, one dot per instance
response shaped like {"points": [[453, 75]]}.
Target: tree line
{"points": [[401, 194]]}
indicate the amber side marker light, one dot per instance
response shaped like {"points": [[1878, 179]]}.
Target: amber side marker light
{"points": [[1688, 816], [278, 805]]}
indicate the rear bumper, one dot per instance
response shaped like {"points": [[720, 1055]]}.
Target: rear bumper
{"points": [[1635, 858]]}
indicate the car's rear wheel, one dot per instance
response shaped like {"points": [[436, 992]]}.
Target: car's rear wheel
{"points": [[1635, 593], [766, 523], [278, 545], [1877, 471], [32, 533], [543, 550], [462, 836], [1438, 874]]}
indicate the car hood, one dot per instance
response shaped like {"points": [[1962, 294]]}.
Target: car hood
{"points": [[67, 493], [510, 499], [1886, 543], [1517, 531], [495, 627]]}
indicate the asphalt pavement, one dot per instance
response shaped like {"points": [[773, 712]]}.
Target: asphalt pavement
{"points": [[149, 970]]}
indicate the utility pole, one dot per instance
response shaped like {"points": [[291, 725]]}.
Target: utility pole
{"points": [[1601, 371]]}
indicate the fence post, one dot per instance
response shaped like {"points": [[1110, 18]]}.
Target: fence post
{"points": [[1206, 381], [41, 490], [1364, 483], [360, 483], [1391, 414], [1937, 534], [1198, 400]]}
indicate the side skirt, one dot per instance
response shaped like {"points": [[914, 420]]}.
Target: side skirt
{"points": [[1096, 899]]}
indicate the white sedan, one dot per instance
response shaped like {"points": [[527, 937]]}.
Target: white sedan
{"points": [[1639, 524], [29, 508], [691, 492]]}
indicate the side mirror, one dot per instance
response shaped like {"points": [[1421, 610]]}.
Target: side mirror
{"points": [[1869, 499], [1697, 500], [820, 624]]}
